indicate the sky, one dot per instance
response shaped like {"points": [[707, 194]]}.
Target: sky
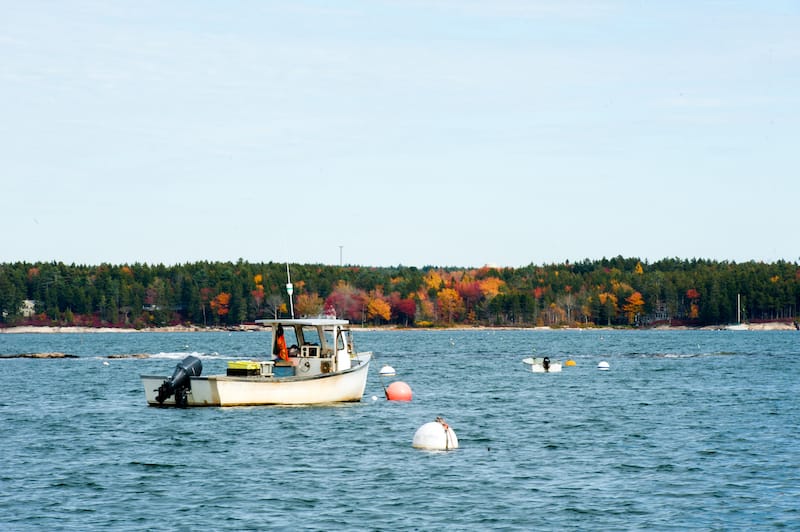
{"points": [[399, 132]]}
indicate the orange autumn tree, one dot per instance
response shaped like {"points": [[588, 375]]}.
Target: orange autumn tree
{"points": [[694, 307], [634, 305], [221, 304], [490, 287]]}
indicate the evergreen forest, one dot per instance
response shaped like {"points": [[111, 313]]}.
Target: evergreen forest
{"points": [[608, 292]]}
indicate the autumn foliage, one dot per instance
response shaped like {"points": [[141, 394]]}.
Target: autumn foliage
{"points": [[634, 305], [220, 304], [617, 291]]}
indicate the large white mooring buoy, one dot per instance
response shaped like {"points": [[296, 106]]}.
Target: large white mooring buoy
{"points": [[603, 366], [435, 436], [387, 371]]}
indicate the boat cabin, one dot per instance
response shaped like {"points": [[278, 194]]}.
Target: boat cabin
{"points": [[316, 346]]}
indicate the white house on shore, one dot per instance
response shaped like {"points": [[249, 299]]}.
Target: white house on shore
{"points": [[27, 308]]}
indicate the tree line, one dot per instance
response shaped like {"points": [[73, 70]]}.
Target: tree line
{"points": [[617, 291]]}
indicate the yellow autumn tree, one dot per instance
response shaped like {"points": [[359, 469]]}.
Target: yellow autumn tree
{"points": [[258, 293], [554, 315], [308, 304], [609, 303], [378, 309], [450, 304], [432, 280]]}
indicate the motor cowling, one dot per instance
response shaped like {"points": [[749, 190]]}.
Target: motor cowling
{"points": [[546, 363], [180, 382]]}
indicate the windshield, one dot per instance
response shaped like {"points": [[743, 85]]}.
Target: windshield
{"points": [[310, 335]]}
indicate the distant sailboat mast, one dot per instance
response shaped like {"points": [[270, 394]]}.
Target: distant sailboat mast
{"points": [[739, 308]]}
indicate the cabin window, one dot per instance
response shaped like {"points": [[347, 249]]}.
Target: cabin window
{"points": [[338, 341], [310, 336]]}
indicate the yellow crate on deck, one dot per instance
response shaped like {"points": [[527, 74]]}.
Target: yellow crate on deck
{"points": [[244, 364], [243, 368]]}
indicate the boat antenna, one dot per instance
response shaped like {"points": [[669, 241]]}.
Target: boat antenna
{"points": [[289, 289]]}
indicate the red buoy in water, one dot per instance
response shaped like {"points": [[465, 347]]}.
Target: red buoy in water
{"points": [[398, 391]]}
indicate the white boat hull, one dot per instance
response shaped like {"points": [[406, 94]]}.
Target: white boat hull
{"points": [[738, 327], [223, 390], [537, 365], [554, 368]]}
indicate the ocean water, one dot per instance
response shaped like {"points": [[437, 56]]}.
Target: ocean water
{"points": [[688, 430]]}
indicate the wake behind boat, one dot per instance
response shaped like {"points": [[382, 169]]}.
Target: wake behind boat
{"points": [[542, 364], [320, 365]]}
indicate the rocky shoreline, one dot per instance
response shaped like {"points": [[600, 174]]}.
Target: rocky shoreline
{"points": [[177, 328], [27, 329], [40, 355]]}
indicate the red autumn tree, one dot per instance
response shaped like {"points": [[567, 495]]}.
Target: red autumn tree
{"points": [[348, 302], [404, 310]]}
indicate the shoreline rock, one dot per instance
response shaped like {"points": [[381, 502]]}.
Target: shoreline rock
{"points": [[40, 355], [48, 329]]}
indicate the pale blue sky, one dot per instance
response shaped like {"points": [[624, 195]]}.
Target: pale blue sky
{"points": [[409, 132]]}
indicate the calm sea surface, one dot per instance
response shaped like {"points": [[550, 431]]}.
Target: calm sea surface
{"points": [[688, 430]]}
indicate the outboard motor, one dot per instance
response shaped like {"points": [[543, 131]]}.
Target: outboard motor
{"points": [[546, 363], [180, 382]]}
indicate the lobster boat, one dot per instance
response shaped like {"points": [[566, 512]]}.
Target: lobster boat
{"points": [[314, 361]]}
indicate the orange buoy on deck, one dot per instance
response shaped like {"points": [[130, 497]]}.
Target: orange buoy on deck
{"points": [[398, 391]]}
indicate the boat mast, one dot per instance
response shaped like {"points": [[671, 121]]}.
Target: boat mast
{"points": [[738, 308], [289, 289]]}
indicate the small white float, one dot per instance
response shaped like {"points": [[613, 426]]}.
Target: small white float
{"points": [[603, 366], [542, 364], [387, 371], [435, 436]]}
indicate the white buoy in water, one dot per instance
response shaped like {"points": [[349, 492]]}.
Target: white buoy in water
{"points": [[387, 371], [603, 366], [435, 436], [374, 397]]}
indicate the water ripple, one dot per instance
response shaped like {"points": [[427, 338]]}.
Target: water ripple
{"points": [[681, 433]]}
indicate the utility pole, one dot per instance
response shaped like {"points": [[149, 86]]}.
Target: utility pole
{"points": [[340, 256]]}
